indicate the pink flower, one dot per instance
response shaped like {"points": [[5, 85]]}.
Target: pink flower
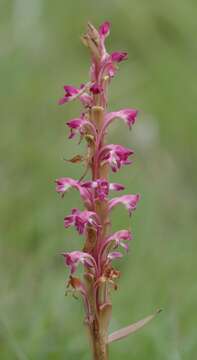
{"points": [[76, 125], [115, 156], [129, 201], [119, 56], [102, 187], [119, 238], [104, 29], [127, 115], [115, 240], [82, 219], [73, 259], [64, 184], [79, 125], [72, 93]]}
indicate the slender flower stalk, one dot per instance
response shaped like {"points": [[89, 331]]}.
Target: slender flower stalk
{"points": [[101, 247]]}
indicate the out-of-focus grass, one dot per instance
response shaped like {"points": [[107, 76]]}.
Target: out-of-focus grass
{"points": [[40, 52]]}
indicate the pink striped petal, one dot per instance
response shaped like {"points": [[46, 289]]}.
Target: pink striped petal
{"points": [[64, 184], [102, 187], [127, 115], [115, 156], [79, 125], [72, 93], [82, 219], [119, 238], [129, 201], [74, 258]]}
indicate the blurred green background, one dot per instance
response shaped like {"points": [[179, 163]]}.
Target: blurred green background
{"points": [[40, 52]]}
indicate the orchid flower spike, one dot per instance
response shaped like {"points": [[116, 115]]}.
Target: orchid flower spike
{"points": [[99, 250]]}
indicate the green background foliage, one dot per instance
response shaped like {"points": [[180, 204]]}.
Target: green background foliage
{"points": [[40, 52]]}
